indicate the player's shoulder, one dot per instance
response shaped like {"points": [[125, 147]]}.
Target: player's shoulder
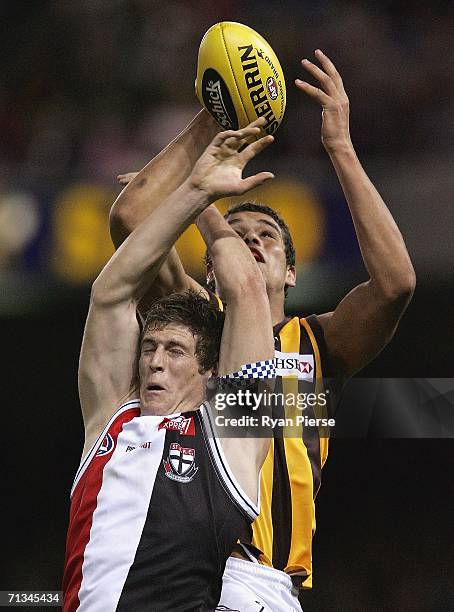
{"points": [[318, 325], [318, 320], [103, 420], [315, 326]]}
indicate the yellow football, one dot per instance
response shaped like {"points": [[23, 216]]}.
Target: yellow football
{"points": [[239, 77]]}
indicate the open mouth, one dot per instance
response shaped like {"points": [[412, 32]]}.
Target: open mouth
{"points": [[155, 388], [257, 255]]}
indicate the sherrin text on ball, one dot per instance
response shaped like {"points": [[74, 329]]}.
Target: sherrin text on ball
{"points": [[239, 77]]}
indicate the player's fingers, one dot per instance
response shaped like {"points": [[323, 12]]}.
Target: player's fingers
{"points": [[255, 148], [254, 181], [330, 69], [324, 79], [234, 143], [260, 122], [314, 92], [124, 179], [234, 136], [242, 138], [218, 140], [246, 132]]}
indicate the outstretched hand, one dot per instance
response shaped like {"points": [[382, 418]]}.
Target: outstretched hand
{"points": [[219, 170], [333, 99]]}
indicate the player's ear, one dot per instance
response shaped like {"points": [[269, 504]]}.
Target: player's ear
{"points": [[290, 279]]}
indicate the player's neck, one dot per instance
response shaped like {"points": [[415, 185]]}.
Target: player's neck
{"points": [[166, 412], [190, 403], [276, 307]]}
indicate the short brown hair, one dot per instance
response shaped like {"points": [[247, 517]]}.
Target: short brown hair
{"points": [[192, 310]]}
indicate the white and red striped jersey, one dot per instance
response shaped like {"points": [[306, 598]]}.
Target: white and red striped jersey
{"points": [[155, 512]]}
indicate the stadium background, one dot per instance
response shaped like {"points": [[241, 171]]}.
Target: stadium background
{"points": [[93, 88]]}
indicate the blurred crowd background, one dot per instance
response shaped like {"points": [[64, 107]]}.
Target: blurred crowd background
{"points": [[94, 88]]}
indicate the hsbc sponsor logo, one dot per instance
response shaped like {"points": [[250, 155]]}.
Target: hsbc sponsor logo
{"points": [[294, 364], [184, 426]]}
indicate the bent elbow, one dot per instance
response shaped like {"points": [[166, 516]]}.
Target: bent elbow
{"points": [[410, 285], [397, 286], [104, 292], [99, 292], [406, 286], [120, 224]]}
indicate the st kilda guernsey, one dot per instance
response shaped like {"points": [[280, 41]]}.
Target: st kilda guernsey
{"points": [[155, 512]]}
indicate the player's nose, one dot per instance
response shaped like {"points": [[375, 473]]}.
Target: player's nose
{"points": [[157, 361], [252, 237]]}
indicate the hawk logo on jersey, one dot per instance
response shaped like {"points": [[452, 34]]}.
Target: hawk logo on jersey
{"points": [[184, 426], [180, 464], [291, 364], [106, 446]]}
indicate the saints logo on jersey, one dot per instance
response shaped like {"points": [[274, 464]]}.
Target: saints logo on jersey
{"points": [[180, 463]]}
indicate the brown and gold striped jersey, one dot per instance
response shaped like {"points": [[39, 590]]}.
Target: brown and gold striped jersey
{"points": [[292, 470]]}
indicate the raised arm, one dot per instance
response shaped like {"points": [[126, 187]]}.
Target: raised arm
{"points": [[247, 336], [109, 349], [366, 319], [248, 330], [145, 190]]}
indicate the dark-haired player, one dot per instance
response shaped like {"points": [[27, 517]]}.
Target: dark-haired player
{"points": [[277, 553], [158, 501]]}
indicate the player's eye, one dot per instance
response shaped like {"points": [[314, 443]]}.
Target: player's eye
{"points": [[148, 348], [176, 352], [267, 234]]}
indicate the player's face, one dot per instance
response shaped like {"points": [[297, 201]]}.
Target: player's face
{"points": [[264, 238], [169, 376]]}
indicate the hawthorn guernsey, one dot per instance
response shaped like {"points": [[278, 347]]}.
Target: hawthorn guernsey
{"points": [[239, 78]]}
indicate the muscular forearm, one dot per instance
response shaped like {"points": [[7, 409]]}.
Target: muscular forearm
{"points": [[247, 335], [217, 173], [233, 264], [160, 177], [135, 265], [366, 319], [381, 243], [383, 249]]}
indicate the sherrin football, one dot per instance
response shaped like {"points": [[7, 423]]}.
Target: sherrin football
{"points": [[239, 77]]}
